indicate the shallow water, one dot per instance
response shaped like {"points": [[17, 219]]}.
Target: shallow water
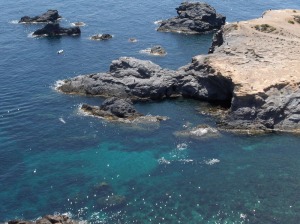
{"points": [[52, 156]]}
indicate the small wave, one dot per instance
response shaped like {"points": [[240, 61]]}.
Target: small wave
{"points": [[62, 120], [78, 24], [157, 22], [162, 160], [182, 146], [146, 51], [186, 160], [14, 22], [211, 161], [58, 84], [31, 35]]}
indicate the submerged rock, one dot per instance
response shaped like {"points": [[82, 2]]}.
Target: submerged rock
{"points": [[111, 202], [52, 30], [158, 50], [193, 17], [101, 37], [49, 16]]}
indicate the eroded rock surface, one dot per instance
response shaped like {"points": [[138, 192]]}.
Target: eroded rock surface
{"points": [[54, 29], [193, 17], [144, 80], [49, 16], [261, 57]]}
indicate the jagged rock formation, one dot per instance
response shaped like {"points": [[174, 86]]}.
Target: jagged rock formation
{"points": [[54, 29], [144, 80], [193, 17], [47, 17]]}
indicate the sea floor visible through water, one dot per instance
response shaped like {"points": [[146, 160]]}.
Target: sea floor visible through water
{"points": [[52, 157]]}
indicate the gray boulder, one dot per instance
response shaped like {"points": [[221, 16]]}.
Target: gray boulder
{"points": [[101, 37], [158, 50], [193, 18]]}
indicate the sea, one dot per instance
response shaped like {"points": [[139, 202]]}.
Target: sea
{"points": [[52, 157]]}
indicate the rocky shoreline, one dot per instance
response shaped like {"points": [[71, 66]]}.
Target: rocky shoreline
{"points": [[244, 71]]}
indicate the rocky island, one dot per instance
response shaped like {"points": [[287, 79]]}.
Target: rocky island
{"points": [[253, 69], [122, 110], [47, 17], [54, 29], [193, 18]]}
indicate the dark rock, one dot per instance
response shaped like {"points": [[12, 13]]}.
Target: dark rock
{"points": [[193, 18], [132, 40], [103, 189], [49, 16], [158, 50], [144, 80], [101, 37], [111, 202], [122, 108], [217, 41], [52, 30]]}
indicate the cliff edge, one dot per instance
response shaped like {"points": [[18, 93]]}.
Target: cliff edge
{"points": [[261, 57]]}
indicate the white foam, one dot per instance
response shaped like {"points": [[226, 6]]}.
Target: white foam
{"points": [[62, 120], [162, 160], [182, 146], [58, 84], [78, 24], [157, 22], [211, 161], [145, 51], [203, 131], [14, 21]]}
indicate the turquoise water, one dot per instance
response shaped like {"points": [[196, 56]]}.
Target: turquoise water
{"points": [[52, 157]]}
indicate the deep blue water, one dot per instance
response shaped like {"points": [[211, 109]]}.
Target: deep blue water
{"points": [[48, 166]]}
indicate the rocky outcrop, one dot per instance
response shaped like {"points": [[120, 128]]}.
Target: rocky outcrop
{"points": [[158, 50], [48, 219], [54, 29], [253, 71], [261, 58], [193, 18], [122, 110], [47, 17], [101, 37], [144, 80]]}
